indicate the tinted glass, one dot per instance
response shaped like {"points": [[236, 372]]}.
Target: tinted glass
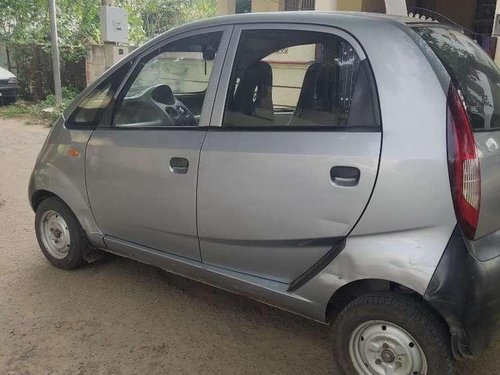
{"points": [[292, 78], [474, 72], [168, 86]]}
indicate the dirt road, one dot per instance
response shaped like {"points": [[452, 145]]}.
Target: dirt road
{"points": [[121, 317]]}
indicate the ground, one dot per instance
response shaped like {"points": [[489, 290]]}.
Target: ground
{"points": [[118, 316]]}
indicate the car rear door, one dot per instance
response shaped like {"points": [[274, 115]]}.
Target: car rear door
{"points": [[291, 158], [142, 167]]}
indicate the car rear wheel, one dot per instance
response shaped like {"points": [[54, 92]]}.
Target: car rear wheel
{"points": [[390, 334], [59, 234]]}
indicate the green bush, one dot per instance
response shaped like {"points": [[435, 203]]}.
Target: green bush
{"points": [[36, 110]]}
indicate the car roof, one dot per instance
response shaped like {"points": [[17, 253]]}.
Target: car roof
{"points": [[303, 16], [309, 15]]}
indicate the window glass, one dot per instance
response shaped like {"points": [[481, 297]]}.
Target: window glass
{"points": [[243, 6], [298, 78], [168, 86], [91, 108], [472, 69]]}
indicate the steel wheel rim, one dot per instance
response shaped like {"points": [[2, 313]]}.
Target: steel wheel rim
{"points": [[55, 234], [378, 347]]}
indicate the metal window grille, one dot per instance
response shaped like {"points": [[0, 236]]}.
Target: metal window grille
{"points": [[300, 4]]}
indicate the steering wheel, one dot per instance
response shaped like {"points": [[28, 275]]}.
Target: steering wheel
{"points": [[171, 109]]}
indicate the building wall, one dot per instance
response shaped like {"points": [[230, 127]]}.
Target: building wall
{"points": [[374, 6], [225, 7], [462, 12], [497, 53], [229, 6], [268, 5]]}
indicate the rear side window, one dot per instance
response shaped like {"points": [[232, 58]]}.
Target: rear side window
{"points": [[296, 78], [472, 70]]}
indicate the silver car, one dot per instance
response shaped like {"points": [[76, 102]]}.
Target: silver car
{"points": [[342, 166]]}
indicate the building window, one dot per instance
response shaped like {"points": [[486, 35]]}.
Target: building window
{"points": [[300, 4], [243, 6]]}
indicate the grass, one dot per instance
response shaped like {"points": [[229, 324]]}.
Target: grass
{"points": [[18, 109], [34, 112]]}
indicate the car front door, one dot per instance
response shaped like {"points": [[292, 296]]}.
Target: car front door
{"points": [[291, 158], [141, 168]]}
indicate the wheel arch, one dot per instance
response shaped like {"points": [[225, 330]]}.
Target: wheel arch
{"points": [[40, 195], [350, 291], [83, 215], [90, 253]]}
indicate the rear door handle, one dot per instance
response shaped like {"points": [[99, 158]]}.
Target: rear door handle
{"points": [[179, 165], [345, 176]]}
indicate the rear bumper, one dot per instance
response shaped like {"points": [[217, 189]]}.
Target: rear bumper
{"points": [[9, 92], [465, 290]]}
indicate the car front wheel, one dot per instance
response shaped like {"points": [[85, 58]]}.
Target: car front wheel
{"points": [[59, 234], [390, 334]]}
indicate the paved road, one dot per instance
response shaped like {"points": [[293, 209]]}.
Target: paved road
{"points": [[121, 317]]}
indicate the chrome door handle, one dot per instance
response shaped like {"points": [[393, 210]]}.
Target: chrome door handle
{"points": [[179, 165], [345, 176]]}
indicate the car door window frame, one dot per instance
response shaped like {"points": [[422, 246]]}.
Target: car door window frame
{"points": [[90, 90], [211, 87], [217, 117]]}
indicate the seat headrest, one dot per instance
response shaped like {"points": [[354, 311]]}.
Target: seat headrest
{"points": [[254, 90], [315, 92]]}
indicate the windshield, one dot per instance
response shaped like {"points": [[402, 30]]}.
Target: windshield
{"points": [[475, 74]]}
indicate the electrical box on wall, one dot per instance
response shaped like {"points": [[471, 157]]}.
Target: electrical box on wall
{"points": [[114, 24]]}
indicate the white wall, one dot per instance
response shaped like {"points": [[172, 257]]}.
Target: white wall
{"points": [[497, 53]]}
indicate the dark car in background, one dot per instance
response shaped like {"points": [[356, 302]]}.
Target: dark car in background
{"points": [[9, 88]]}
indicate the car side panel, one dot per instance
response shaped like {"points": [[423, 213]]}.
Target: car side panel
{"points": [[266, 203], [55, 171], [409, 220]]}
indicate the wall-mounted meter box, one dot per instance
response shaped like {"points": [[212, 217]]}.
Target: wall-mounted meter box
{"points": [[114, 24]]}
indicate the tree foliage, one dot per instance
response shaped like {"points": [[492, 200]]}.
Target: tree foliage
{"points": [[150, 18], [27, 21]]}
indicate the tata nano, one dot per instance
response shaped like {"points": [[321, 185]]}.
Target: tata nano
{"points": [[342, 166]]}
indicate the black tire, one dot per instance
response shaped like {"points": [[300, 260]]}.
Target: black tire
{"points": [[78, 242], [8, 101], [404, 311]]}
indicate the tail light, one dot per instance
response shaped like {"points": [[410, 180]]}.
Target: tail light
{"points": [[463, 164]]}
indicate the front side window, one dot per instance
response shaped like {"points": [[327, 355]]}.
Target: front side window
{"points": [[292, 78], [88, 113], [168, 86]]}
